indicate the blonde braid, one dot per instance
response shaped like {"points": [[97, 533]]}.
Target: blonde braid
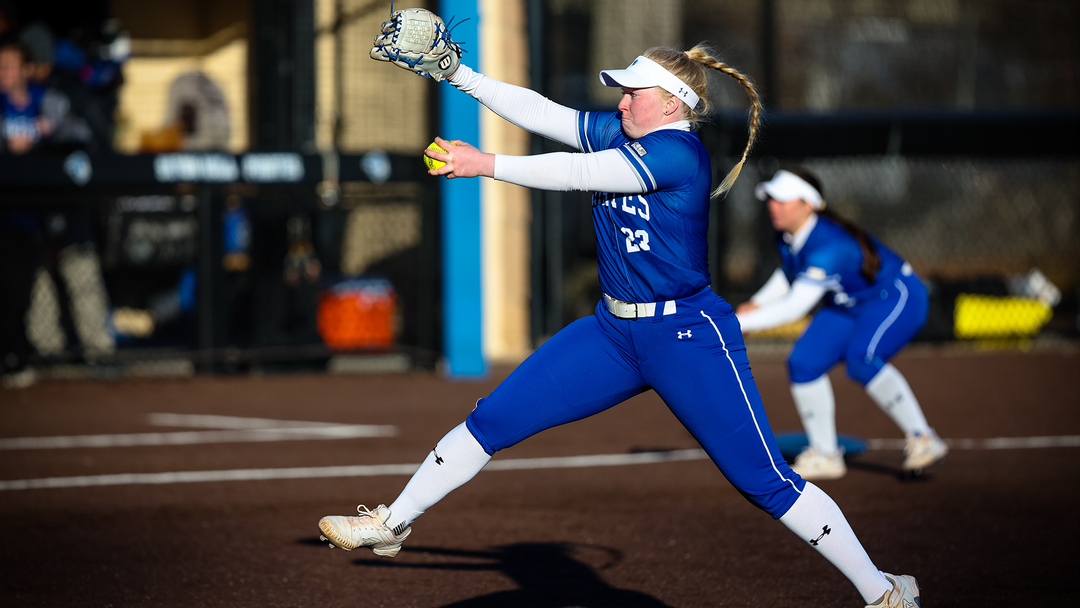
{"points": [[701, 56]]}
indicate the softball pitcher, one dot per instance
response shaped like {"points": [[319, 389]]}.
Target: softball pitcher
{"points": [[658, 325], [874, 304]]}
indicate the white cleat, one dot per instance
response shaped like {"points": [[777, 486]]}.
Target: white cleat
{"points": [[923, 450], [813, 465], [368, 529], [904, 594]]}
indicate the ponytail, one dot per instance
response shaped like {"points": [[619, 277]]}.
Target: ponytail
{"points": [[687, 67], [871, 260]]}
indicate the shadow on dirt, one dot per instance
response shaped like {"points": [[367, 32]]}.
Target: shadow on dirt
{"points": [[548, 575], [888, 471]]}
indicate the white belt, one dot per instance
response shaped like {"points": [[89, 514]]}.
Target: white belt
{"points": [[634, 310]]}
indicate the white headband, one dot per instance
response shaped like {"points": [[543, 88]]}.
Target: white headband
{"points": [[645, 73], [786, 186]]}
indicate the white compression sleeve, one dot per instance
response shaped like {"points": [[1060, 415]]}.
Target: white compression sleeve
{"points": [[816, 519], [605, 171], [523, 107], [456, 459], [799, 301], [776, 287]]}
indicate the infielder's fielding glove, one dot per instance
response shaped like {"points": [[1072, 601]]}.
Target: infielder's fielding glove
{"points": [[417, 39]]}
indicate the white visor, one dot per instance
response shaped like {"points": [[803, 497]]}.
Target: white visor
{"points": [[645, 73], [786, 186]]}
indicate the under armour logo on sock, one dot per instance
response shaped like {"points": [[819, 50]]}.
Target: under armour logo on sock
{"points": [[824, 530], [684, 334], [438, 459]]}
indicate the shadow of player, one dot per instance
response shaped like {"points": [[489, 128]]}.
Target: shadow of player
{"points": [[547, 575]]}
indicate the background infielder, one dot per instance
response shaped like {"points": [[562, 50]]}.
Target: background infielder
{"points": [[658, 326], [874, 304]]}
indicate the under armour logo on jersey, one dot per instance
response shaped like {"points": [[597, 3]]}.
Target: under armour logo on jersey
{"points": [[438, 459], [684, 334], [824, 530]]}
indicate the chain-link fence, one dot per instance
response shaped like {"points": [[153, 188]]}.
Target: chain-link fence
{"points": [[915, 114], [220, 270]]}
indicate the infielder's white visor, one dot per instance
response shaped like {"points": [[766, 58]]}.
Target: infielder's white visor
{"points": [[645, 73], [786, 186]]}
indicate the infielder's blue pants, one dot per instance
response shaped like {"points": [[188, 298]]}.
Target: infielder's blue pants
{"points": [[864, 337], [694, 359]]}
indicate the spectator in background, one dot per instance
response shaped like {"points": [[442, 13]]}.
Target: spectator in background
{"points": [[87, 68], [70, 130], [23, 125]]}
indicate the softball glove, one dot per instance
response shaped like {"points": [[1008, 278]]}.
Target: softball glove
{"points": [[417, 39]]}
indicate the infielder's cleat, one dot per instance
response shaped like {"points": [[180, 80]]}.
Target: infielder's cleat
{"points": [[904, 594], [923, 450], [813, 465], [368, 529]]}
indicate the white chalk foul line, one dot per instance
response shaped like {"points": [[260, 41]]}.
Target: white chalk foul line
{"points": [[996, 443], [237, 430], [510, 464], [195, 437]]}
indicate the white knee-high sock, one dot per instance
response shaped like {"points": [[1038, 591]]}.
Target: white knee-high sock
{"points": [[456, 459], [817, 408], [890, 391], [816, 519]]}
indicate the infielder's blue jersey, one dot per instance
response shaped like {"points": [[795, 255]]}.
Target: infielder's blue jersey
{"points": [[863, 324], [651, 247], [831, 258]]}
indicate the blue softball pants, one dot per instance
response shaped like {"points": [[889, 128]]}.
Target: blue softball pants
{"points": [[695, 359], [865, 336]]}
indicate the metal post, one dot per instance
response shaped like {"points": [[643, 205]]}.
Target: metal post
{"points": [[459, 118]]}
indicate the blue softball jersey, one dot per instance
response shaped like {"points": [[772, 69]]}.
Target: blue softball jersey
{"points": [[831, 258], [22, 121], [652, 247]]}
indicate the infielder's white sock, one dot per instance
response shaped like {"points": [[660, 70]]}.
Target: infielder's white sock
{"points": [[890, 391], [456, 459], [816, 519], [817, 408]]}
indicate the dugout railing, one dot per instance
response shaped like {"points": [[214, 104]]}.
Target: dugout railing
{"points": [[218, 262]]}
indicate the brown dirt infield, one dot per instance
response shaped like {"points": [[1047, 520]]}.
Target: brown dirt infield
{"points": [[987, 528]]}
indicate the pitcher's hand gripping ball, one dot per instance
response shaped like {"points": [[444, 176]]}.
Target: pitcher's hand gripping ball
{"points": [[432, 163], [417, 39]]}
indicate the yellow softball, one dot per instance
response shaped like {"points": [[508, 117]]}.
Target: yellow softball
{"points": [[431, 163]]}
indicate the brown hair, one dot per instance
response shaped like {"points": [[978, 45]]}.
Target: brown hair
{"points": [[18, 47], [871, 261], [689, 67]]}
